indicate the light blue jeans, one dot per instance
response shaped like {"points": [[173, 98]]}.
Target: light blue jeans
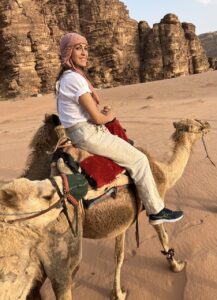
{"points": [[97, 139]]}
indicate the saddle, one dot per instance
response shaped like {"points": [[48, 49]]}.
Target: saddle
{"points": [[104, 176]]}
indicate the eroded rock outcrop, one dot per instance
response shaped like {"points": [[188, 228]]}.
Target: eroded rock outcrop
{"points": [[121, 50], [170, 49], [114, 41], [30, 31], [30, 34], [209, 43]]}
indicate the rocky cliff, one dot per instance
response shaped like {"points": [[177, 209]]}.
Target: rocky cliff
{"points": [[170, 49], [121, 50], [30, 34], [114, 41], [209, 42]]}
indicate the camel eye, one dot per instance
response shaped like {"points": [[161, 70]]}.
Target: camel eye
{"points": [[48, 197], [45, 194]]}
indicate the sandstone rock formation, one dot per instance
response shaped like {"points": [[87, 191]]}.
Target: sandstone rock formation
{"points": [[28, 48], [209, 42], [213, 62], [30, 34], [30, 31], [170, 49], [114, 40]]}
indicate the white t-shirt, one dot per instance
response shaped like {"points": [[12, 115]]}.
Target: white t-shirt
{"points": [[70, 87]]}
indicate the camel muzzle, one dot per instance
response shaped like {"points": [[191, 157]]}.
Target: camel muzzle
{"points": [[205, 126]]}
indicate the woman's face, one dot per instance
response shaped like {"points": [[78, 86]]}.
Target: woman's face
{"points": [[79, 55]]}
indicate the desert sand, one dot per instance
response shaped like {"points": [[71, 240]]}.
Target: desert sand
{"points": [[147, 111]]}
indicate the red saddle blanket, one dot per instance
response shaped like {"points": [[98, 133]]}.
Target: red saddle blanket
{"points": [[101, 169]]}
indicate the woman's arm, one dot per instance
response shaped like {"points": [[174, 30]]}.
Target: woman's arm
{"points": [[88, 103]]}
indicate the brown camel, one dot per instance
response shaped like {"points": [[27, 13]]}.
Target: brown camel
{"points": [[33, 248], [120, 214]]}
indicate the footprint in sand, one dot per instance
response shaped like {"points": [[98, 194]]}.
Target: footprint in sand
{"points": [[5, 131], [208, 85], [5, 122], [145, 107], [191, 224], [149, 97]]}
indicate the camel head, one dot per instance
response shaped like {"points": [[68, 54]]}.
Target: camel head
{"points": [[46, 136], [192, 129], [24, 196]]}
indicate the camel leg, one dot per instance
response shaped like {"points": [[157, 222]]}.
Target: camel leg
{"points": [[175, 265], [61, 277], [62, 293], [117, 293]]}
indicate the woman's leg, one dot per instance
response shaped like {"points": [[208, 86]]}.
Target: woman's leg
{"points": [[98, 140]]}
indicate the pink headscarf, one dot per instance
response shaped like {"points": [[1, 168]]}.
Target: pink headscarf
{"points": [[67, 42]]}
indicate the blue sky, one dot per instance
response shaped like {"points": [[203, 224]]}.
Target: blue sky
{"points": [[202, 13]]}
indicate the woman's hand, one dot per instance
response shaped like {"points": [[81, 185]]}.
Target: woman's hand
{"points": [[97, 117], [106, 110], [110, 114]]}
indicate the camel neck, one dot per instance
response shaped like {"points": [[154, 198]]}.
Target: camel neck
{"points": [[179, 159]]}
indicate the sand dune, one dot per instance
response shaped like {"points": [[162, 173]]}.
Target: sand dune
{"points": [[147, 111]]}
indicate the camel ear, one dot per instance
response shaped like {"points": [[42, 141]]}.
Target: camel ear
{"points": [[8, 197], [207, 125], [52, 119], [47, 118], [175, 124], [55, 120]]}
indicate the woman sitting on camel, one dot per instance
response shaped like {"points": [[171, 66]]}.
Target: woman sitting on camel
{"points": [[78, 108]]}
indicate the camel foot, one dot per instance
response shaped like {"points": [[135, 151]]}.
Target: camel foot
{"points": [[120, 295], [177, 266]]}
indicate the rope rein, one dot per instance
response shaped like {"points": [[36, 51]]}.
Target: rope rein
{"points": [[62, 143], [207, 155], [66, 196], [42, 212], [60, 203]]}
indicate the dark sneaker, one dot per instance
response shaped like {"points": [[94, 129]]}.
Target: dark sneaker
{"points": [[165, 215]]}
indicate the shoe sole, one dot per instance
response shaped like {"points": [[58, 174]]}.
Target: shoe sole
{"points": [[157, 222]]}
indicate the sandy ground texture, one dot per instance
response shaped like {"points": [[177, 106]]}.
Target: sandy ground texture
{"points": [[147, 111]]}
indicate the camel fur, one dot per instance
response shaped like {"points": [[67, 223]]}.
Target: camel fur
{"points": [[111, 219], [37, 248]]}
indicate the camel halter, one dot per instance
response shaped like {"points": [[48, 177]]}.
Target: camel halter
{"points": [[203, 140], [34, 213], [60, 203]]}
